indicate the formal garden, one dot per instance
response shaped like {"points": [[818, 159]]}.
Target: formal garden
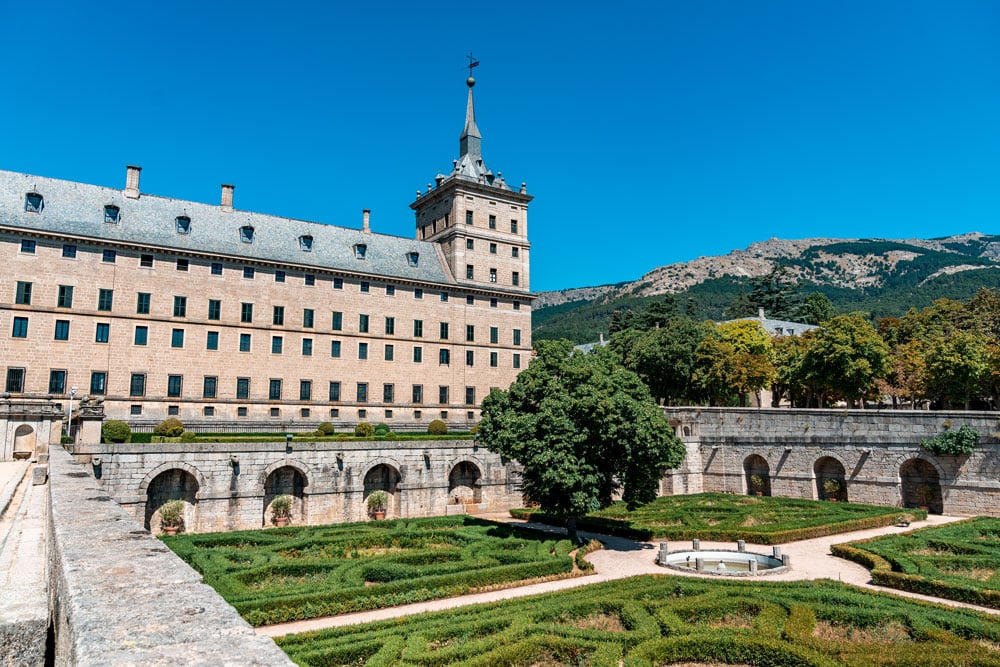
{"points": [[726, 517], [284, 574], [657, 620], [959, 561]]}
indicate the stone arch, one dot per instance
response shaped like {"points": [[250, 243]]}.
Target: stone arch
{"points": [[24, 442], [384, 477], [170, 465], [173, 482], [465, 483], [755, 466], [286, 463], [920, 484], [830, 470], [286, 478]]}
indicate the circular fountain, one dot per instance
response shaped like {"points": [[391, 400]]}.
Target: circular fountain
{"points": [[723, 562]]}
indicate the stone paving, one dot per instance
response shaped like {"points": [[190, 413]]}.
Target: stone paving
{"points": [[621, 558]]}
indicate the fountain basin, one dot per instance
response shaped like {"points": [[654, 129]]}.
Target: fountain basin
{"points": [[722, 562]]}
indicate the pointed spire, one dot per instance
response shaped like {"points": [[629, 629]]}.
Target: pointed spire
{"points": [[471, 142]]}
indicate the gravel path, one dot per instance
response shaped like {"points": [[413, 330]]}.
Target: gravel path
{"points": [[621, 558]]}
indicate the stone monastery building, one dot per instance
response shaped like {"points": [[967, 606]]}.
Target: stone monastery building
{"points": [[229, 318]]}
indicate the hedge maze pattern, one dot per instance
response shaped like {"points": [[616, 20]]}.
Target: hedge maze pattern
{"points": [[661, 620], [727, 517], [284, 574], [959, 561]]}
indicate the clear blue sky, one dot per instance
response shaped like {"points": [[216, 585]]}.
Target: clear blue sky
{"points": [[649, 132]]}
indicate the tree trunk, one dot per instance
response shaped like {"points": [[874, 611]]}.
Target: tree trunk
{"points": [[571, 529]]}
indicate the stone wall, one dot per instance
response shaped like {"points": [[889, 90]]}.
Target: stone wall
{"points": [[229, 486], [876, 454]]}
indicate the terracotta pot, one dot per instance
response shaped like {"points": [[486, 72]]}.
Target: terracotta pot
{"points": [[758, 493], [379, 515], [281, 521], [170, 530]]}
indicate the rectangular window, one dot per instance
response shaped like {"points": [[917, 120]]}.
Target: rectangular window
{"points": [[362, 395], [493, 248], [517, 305], [57, 382], [517, 360], [141, 336], [182, 264], [20, 329], [109, 256], [363, 323], [98, 383], [275, 412], [103, 332], [180, 306], [216, 268], [443, 395], [243, 388], [279, 276], [137, 385], [277, 343], [390, 290], [493, 359], [494, 335], [244, 342], [470, 244], [468, 217], [177, 338], [418, 328], [517, 336], [69, 251], [470, 333], [105, 298], [469, 271], [338, 283], [390, 326], [310, 280], [365, 286], [418, 293], [390, 352], [23, 294], [470, 358], [142, 303], [335, 349], [515, 278], [246, 312], [388, 390], [470, 395], [248, 272], [418, 394], [334, 392], [305, 390], [135, 410], [28, 247], [308, 318], [274, 390], [444, 297], [174, 385], [208, 411], [418, 354], [493, 302], [444, 331], [513, 226], [470, 300], [493, 222], [362, 350], [212, 340], [214, 309], [210, 387], [62, 330], [15, 380], [65, 297], [444, 356], [278, 318], [337, 323], [307, 347], [514, 251], [493, 275]]}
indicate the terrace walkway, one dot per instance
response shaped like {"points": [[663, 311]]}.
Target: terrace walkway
{"points": [[621, 558]]}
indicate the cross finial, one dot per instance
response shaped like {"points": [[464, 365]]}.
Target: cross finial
{"points": [[472, 62]]}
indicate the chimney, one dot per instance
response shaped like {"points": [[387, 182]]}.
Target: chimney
{"points": [[760, 314], [365, 215], [132, 181], [227, 198]]}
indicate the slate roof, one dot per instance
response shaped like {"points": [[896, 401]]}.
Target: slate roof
{"points": [[778, 327], [77, 209]]}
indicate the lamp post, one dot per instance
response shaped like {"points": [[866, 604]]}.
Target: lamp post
{"points": [[69, 415]]}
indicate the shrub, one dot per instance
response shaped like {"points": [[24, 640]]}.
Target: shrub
{"points": [[326, 428], [437, 427], [188, 436], [364, 430], [281, 506], [172, 513], [66, 440], [382, 430], [377, 501], [952, 443], [169, 428], [831, 487], [116, 431]]}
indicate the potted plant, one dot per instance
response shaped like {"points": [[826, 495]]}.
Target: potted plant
{"points": [[171, 516], [902, 521], [377, 502], [757, 484], [924, 493], [831, 488], [281, 510]]}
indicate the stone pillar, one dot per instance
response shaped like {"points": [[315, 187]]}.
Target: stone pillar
{"points": [[741, 545], [776, 551], [696, 544], [662, 557]]}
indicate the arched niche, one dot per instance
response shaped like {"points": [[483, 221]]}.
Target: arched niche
{"points": [[384, 477], [920, 485], [831, 479], [757, 475], [286, 480], [171, 484], [24, 442], [464, 483]]}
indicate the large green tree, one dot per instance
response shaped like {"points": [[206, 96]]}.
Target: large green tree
{"points": [[734, 360], [663, 357], [845, 357], [583, 428]]}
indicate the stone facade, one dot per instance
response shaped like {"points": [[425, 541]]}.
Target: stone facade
{"points": [[229, 486], [874, 456]]}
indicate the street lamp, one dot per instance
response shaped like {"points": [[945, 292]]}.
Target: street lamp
{"points": [[69, 416]]}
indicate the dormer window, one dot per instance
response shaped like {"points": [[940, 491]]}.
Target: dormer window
{"points": [[413, 258], [246, 234], [34, 202], [360, 250], [183, 224], [306, 243], [112, 214]]}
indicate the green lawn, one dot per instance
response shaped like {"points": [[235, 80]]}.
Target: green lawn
{"points": [[727, 517], [660, 620], [960, 561], [283, 574]]}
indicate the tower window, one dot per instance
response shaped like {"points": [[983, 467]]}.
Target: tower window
{"points": [[182, 224], [493, 275], [513, 226], [515, 278], [493, 222], [514, 251], [493, 248], [246, 234], [112, 214], [34, 202], [360, 250], [306, 243], [468, 217], [470, 244]]}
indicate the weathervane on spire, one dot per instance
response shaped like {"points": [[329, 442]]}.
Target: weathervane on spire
{"points": [[472, 63]]}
